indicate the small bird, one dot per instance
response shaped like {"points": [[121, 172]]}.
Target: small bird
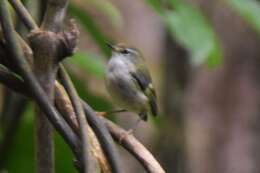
{"points": [[129, 82]]}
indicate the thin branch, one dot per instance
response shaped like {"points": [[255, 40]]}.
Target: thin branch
{"points": [[11, 80], [99, 128], [23, 14], [104, 137], [64, 105], [96, 123], [130, 143], [82, 121], [49, 64], [127, 141], [33, 84]]}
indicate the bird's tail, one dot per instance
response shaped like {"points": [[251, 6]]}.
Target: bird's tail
{"points": [[153, 106]]}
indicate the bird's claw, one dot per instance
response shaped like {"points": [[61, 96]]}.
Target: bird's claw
{"points": [[125, 135], [102, 114]]}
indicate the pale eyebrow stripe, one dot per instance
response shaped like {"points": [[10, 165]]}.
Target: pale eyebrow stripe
{"points": [[132, 50]]}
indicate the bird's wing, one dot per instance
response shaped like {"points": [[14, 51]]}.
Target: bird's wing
{"points": [[144, 81]]}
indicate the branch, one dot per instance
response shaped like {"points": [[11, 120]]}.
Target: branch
{"points": [[130, 143], [104, 137], [54, 15], [12, 81], [32, 83], [99, 128], [23, 14], [97, 123], [64, 105], [82, 121]]}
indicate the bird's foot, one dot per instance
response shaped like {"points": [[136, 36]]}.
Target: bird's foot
{"points": [[124, 135], [116, 111], [102, 114]]}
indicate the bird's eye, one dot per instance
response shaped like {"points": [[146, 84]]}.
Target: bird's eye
{"points": [[125, 51]]}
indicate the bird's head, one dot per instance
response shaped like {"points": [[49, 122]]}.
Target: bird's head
{"points": [[123, 51]]}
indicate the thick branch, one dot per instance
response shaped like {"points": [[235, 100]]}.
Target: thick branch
{"points": [[32, 83], [45, 47], [54, 15], [95, 123], [128, 142]]}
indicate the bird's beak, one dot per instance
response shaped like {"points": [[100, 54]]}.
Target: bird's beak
{"points": [[111, 46]]}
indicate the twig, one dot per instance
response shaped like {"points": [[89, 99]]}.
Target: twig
{"points": [[64, 105], [99, 128], [104, 137], [126, 143], [130, 143], [33, 84], [82, 121], [11, 80], [23, 14]]}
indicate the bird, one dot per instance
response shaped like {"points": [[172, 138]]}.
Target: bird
{"points": [[129, 82]]}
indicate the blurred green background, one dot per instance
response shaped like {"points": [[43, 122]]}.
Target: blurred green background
{"points": [[204, 57]]}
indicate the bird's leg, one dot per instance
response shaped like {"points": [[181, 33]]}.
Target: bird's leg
{"points": [[104, 114], [131, 130], [116, 111]]}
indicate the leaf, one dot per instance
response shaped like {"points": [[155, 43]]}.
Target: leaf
{"points": [[156, 5], [108, 9], [90, 26], [90, 63], [191, 29], [249, 10], [22, 151]]}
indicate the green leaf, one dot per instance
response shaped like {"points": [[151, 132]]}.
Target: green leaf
{"points": [[108, 9], [22, 151], [90, 26], [191, 29], [90, 63], [249, 10], [156, 4]]}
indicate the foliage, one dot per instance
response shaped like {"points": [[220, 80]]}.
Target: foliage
{"points": [[90, 63], [249, 10], [192, 30]]}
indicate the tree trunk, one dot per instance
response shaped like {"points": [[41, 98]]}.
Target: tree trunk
{"points": [[223, 104]]}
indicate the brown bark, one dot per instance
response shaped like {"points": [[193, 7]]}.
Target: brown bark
{"points": [[44, 45]]}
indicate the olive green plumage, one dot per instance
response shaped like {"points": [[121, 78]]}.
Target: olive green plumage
{"points": [[129, 82]]}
